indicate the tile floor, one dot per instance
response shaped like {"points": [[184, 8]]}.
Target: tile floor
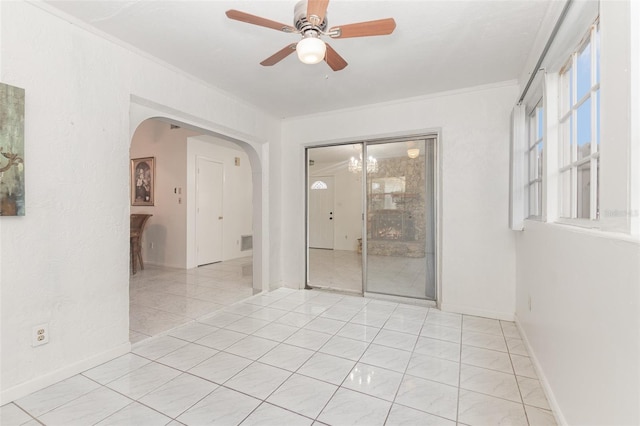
{"points": [[164, 298], [293, 357]]}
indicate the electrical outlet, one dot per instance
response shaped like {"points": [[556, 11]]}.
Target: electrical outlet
{"points": [[150, 245], [40, 335]]}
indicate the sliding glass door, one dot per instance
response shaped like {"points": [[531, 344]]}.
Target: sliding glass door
{"points": [[400, 218], [334, 219]]}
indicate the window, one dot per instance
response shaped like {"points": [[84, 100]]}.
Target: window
{"points": [[535, 157], [579, 139], [319, 185]]}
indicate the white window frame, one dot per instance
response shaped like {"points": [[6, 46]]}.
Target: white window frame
{"points": [[535, 176], [570, 168]]}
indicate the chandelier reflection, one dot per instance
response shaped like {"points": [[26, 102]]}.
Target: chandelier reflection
{"points": [[355, 164]]}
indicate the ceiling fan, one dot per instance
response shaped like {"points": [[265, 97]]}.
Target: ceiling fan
{"points": [[310, 21]]}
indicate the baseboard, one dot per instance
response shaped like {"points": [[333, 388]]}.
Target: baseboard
{"points": [[468, 310], [53, 377], [553, 402]]}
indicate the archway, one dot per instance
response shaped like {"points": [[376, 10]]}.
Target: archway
{"points": [[246, 154]]}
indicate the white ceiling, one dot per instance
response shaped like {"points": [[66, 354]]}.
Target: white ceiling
{"points": [[437, 46]]}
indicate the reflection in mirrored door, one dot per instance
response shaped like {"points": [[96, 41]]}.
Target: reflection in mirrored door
{"points": [[334, 218], [400, 225]]}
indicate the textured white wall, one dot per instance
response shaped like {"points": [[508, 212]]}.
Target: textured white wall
{"points": [[584, 285], [66, 262], [584, 320], [477, 247]]}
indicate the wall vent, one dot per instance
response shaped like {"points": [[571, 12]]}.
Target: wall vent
{"points": [[246, 242]]}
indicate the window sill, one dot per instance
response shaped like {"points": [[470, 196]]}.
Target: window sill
{"points": [[572, 226]]}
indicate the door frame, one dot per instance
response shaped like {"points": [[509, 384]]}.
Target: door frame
{"points": [[197, 202], [437, 164]]}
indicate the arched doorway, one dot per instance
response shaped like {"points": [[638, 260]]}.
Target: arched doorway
{"points": [[172, 290]]}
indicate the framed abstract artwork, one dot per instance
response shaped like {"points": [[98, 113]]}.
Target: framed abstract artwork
{"points": [[143, 180], [11, 151]]}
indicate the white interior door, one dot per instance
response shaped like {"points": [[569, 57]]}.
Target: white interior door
{"points": [[321, 199], [209, 219]]}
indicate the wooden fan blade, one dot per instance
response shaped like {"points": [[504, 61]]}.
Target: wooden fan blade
{"points": [[365, 29], [335, 61], [316, 11], [257, 20], [279, 55]]}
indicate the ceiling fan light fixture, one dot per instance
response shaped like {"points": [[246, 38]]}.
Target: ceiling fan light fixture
{"points": [[311, 49]]}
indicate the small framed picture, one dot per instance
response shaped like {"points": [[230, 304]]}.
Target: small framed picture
{"points": [[143, 181]]}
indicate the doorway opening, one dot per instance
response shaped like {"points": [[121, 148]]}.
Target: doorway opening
{"points": [[335, 207], [194, 262], [371, 218]]}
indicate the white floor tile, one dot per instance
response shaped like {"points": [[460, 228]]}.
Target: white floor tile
{"points": [[486, 358], [143, 380], [435, 398], [192, 331], [135, 414], [221, 319], [436, 369], [532, 393], [448, 334], [344, 347], [176, 396], [325, 367], [485, 341], [116, 368], [405, 416], [220, 367], [275, 331], [438, 348], [222, 407], [490, 382], [268, 314], [481, 325], [308, 339], [523, 366], [358, 332], [221, 339], [286, 356], [11, 415], [540, 417], [247, 325], [54, 396], [374, 381], [270, 415], [396, 339], [252, 347], [385, 357], [479, 409], [303, 395], [403, 324], [258, 380], [89, 409], [325, 325], [347, 407], [187, 356], [158, 347]]}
